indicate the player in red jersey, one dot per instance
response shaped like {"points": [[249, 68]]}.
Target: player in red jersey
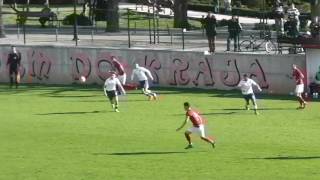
{"points": [[117, 67], [198, 126], [298, 76]]}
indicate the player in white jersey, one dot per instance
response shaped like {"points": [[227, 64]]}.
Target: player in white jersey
{"points": [[142, 75], [110, 90], [246, 88]]}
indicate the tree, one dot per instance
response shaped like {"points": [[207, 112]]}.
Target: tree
{"points": [[2, 33], [91, 8], [108, 10], [112, 16], [315, 9], [180, 9]]}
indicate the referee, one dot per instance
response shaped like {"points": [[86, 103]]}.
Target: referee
{"points": [[14, 61]]}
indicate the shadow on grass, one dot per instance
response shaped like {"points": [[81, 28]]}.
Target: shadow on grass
{"points": [[288, 158], [210, 113], [220, 113], [107, 101], [66, 113], [260, 109], [58, 90], [90, 101], [142, 153], [73, 96]]}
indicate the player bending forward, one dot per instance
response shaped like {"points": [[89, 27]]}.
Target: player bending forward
{"points": [[117, 67], [247, 92], [142, 73], [198, 126], [110, 90]]}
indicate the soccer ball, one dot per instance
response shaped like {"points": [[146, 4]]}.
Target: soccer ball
{"points": [[83, 79]]}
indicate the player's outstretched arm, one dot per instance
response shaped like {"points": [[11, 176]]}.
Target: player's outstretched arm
{"points": [[8, 60], [19, 60], [289, 76], [105, 91], [148, 73], [301, 75], [183, 124], [105, 88], [257, 85]]}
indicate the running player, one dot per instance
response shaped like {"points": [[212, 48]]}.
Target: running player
{"points": [[110, 90], [198, 126], [298, 76], [246, 88], [14, 61], [143, 74]]}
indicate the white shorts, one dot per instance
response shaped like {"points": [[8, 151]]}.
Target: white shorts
{"points": [[198, 130], [299, 88]]}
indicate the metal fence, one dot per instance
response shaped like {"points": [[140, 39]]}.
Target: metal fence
{"points": [[141, 26]]}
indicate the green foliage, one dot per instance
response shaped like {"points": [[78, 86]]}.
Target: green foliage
{"points": [[82, 20], [71, 133], [21, 19], [43, 20]]}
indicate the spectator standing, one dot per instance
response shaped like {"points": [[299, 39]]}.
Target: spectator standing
{"points": [[234, 29], [278, 17], [227, 6], [210, 24], [293, 15]]}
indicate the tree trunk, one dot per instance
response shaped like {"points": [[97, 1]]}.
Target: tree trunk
{"points": [[47, 3], [180, 10], [2, 33], [112, 16], [28, 3], [315, 11]]}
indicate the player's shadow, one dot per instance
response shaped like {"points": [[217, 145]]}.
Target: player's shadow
{"points": [[288, 158], [70, 113], [220, 113], [270, 109], [229, 109], [140, 153], [92, 101], [260, 109], [134, 100], [71, 96]]}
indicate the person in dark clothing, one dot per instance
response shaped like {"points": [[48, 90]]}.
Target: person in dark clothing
{"points": [[278, 14], [210, 24], [290, 27], [234, 29], [14, 61]]}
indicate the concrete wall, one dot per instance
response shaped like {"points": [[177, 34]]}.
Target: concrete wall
{"points": [[313, 64], [64, 65]]}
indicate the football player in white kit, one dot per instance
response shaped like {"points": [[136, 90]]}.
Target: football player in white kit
{"points": [[142, 75], [246, 88], [110, 90]]}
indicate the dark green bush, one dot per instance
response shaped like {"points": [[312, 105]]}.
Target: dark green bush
{"points": [[81, 20], [43, 20]]}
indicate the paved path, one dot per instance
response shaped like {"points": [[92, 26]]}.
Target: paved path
{"points": [[193, 41], [191, 14]]}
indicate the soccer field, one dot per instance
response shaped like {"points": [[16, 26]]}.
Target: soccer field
{"points": [[71, 133]]}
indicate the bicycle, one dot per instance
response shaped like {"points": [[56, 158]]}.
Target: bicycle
{"points": [[255, 45]]}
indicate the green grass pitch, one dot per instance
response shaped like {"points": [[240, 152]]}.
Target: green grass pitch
{"points": [[71, 133]]}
